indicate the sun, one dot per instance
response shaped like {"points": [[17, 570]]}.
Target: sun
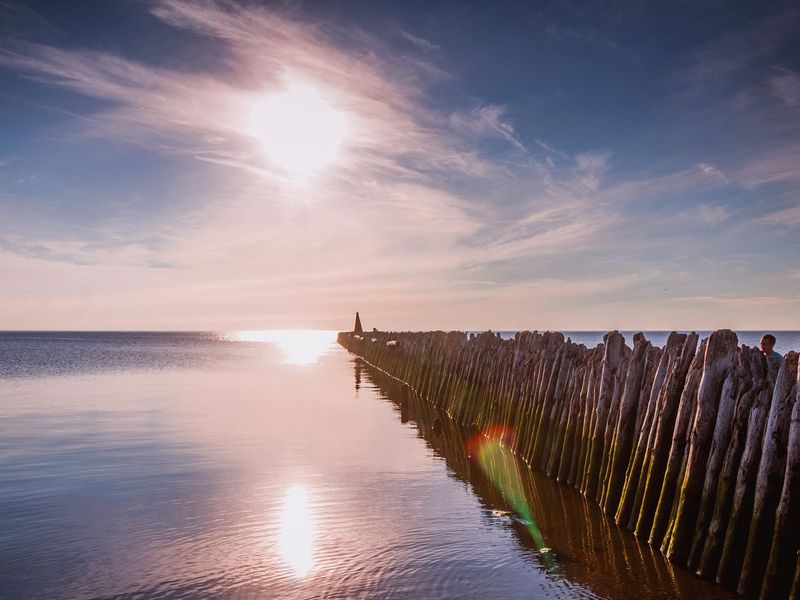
{"points": [[299, 130]]}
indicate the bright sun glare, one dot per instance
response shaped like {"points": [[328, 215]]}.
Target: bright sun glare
{"points": [[299, 130], [296, 538], [297, 347]]}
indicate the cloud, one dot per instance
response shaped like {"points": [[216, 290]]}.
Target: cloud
{"points": [[171, 107], [428, 209], [16, 18], [786, 86], [748, 301], [725, 58], [551, 149], [738, 90], [591, 166], [487, 121], [711, 215], [419, 42], [713, 171], [587, 36], [776, 165], [81, 252], [785, 217]]}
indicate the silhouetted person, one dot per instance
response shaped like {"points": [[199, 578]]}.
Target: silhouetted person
{"points": [[773, 358], [768, 346]]}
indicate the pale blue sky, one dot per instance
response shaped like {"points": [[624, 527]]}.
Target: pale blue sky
{"points": [[558, 165]]}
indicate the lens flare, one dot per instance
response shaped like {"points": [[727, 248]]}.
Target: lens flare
{"points": [[491, 449]]}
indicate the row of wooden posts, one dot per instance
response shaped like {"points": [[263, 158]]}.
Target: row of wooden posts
{"points": [[694, 450]]}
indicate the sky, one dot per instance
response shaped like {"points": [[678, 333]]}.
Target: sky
{"points": [[203, 165]]}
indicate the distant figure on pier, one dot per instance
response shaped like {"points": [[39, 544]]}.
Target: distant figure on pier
{"points": [[358, 329], [773, 358], [768, 346]]}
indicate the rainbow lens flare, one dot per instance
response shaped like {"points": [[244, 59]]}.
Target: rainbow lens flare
{"points": [[492, 451]]}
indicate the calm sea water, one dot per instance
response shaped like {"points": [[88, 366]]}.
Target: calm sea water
{"points": [[269, 465]]}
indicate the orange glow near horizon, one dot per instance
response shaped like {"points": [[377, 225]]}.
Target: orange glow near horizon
{"points": [[299, 130]]}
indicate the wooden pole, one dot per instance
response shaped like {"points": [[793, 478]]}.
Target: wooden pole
{"points": [[719, 357], [770, 477]]}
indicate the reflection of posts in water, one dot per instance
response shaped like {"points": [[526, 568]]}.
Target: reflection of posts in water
{"points": [[500, 466], [404, 409], [358, 367], [584, 543]]}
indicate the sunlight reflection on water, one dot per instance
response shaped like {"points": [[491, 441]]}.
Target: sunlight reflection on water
{"points": [[296, 538], [195, 465], [298, 347]]}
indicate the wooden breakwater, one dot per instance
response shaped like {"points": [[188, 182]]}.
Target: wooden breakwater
{"points": [[696, 450]]}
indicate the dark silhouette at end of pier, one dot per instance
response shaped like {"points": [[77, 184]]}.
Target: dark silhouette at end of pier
{"points": [[357, 327]]}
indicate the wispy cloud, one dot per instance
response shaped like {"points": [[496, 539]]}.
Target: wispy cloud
{"points": [[487, 121], [443, 206], [786, 85], [711, 215], [737, 89], [172, 107], [419, 42], [749, 301], [81, 252], [785, 216]]}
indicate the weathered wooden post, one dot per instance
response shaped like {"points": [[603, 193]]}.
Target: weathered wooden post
{"points": [[611, 421], [770, 477], [786, 538], [677, 450], [795, 593], [633, 477], [730, 466], [623, 435], [720, 353], [679, 352], [736, 531], [719, 444], [609, 379]]}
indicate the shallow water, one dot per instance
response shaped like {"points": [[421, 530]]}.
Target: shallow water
{"points": [[271, 465]]}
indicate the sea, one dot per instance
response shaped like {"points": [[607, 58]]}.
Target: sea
{"points": [[274, 464]]}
